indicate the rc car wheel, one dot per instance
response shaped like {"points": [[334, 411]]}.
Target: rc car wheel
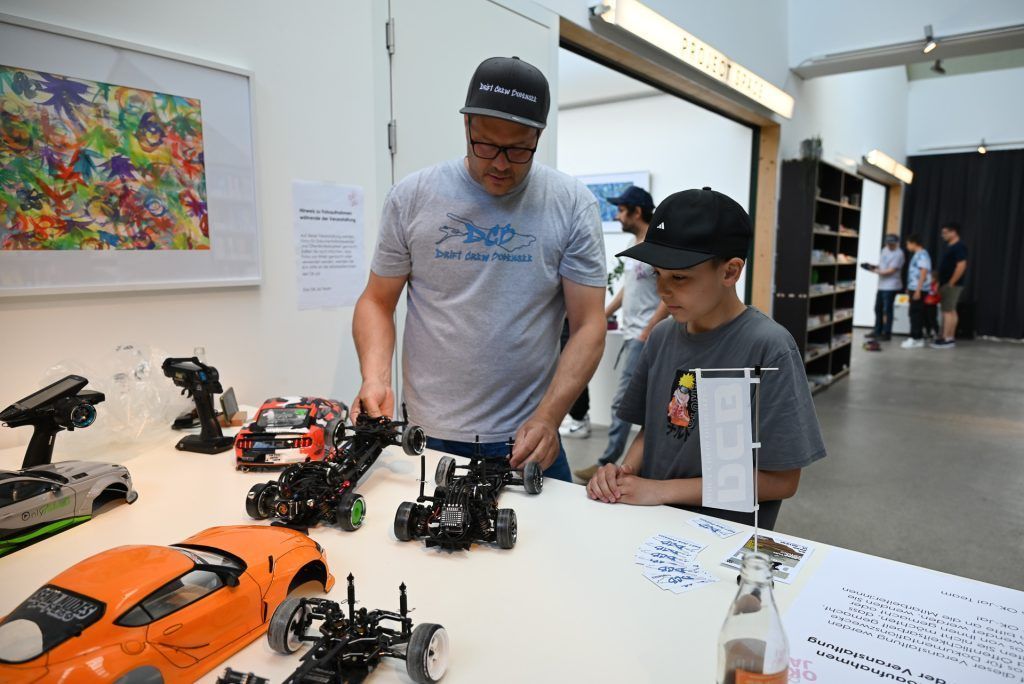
{"points": [[259, 501], [414, 440], [426, 658], [287, 626], [404, 518], [533, 477], [351, 511], [445, 471], [505, 528], [334, 432]]}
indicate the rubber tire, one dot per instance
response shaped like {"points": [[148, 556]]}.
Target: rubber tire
{"points": [[281, 623], [505, 528], [414, 440], [533, 477], [254, 497], [334, 432], [349, 501], [418, 652], [445, 472], [404, 529]]}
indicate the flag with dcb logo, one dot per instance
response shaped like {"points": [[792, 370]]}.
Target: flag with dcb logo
{"points": [[727, 446]]}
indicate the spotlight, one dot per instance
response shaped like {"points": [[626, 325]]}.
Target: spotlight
{"points": [[981, 148], [938, 68], [930, 44]]}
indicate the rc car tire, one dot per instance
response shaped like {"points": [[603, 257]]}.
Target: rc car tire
{"points": [[351, 511], [334, 433], [414, 440], [404, 528], [282, 634], [258, 500], [445, 471], [505, 528], [427, 655], [533, 477]]}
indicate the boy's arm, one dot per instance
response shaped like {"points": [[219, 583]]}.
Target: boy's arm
{"points": [[772, 485], [603, 486]]}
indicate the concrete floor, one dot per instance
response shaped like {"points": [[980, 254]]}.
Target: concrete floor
{"points": [[925, 460]]}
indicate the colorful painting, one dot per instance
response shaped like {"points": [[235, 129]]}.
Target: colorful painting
{"points": [[86, 165]]}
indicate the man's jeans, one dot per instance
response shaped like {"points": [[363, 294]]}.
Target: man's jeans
{"points": [[884, 301], [618, 433], [559, 470]]}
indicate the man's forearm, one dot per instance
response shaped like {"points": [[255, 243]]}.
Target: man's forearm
{"points": [[576, 366], [373, 329], [958, 273], [615, 304]]}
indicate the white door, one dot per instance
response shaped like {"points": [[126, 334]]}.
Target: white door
{"points": [[869, 246], [436, 46]]}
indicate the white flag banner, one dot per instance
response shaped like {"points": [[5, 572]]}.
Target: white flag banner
{"points": [[726, 446]]}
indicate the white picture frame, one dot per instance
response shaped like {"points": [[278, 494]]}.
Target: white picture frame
{"points": [[605, 185], [225, 93]]}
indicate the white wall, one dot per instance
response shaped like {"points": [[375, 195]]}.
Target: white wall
{"points": [[853, 113], [319, 74], [682, 145], [961, 110], [817, 28]]}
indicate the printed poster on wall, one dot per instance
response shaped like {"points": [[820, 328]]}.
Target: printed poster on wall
{"points": [[328, 243]]}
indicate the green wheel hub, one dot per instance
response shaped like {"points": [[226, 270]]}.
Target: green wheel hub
{"points": [[358, 510]]}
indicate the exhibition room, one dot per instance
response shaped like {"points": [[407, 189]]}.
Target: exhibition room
{"points": [[512, 341]]}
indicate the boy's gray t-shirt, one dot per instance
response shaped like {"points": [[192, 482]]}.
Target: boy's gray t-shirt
{"points": [[662, 397], [485, 301]]}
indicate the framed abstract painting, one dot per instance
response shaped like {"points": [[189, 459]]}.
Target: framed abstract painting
{"points": [[122, 167]]}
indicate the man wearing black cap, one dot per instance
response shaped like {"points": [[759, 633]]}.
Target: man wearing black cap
{"points": [[641, 311], [697, 243], [495, 250]]}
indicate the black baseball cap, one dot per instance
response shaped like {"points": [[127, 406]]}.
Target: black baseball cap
{"points": [[511, 89], [633, 197], [692, 226]]}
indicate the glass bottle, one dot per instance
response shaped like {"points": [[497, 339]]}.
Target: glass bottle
{"points": [[752, 648]]}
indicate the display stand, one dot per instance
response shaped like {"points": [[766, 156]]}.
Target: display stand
{"points": [[816, 265]]}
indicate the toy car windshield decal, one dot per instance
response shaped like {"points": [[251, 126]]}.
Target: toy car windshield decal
{"points": [[283, 417], [45, 619]]}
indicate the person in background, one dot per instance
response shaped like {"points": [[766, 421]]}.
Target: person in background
{"points": [[890, 264], [919, 283], [577, 422], [641, 311], [952, 269], [493, 251]]}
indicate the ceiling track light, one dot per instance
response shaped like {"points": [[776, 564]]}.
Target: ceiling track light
{"points": [[930, 43], [981, 148]]}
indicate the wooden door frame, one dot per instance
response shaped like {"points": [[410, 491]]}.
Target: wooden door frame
{"points": [[765, 153]]}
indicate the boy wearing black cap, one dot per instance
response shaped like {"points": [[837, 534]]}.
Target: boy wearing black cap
{"points": [[697, 243], [496, 250]]}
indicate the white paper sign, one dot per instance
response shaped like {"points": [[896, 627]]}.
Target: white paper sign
{"points": [[865, 619], [726, 448], [328, 243]]}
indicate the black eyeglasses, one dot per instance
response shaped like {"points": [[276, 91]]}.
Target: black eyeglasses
{"points": [[516, 155]]}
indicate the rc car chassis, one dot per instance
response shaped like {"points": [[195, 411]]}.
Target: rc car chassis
{"points": [[350, 646], [464, 507], [307, 493]]}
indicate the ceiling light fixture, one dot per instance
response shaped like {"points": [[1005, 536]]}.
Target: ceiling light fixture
{"points": [[981, 148], [938, 68], [930, 44], [881, 160], [646, 24]]}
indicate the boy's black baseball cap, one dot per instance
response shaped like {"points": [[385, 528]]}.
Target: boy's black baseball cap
{"points": [[692, 226], [511, 89]]}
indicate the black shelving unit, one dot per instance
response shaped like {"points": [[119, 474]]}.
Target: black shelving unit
{"points": [[816, 264]]}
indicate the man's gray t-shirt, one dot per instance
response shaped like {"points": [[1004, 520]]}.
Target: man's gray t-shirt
{"points": [[890, 259], [663, 398], [485, 301], [639, 297]]}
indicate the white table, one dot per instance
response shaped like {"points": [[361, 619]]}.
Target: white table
{"points": [[566, 604]]}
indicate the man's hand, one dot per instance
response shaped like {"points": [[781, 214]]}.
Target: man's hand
{"points": [[375, 399], [614, 484], [917, 295], [536, 440]]}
